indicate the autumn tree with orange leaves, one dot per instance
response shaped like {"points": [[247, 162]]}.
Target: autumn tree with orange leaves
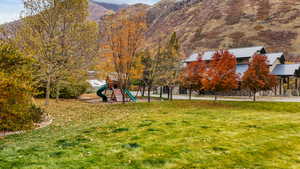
{"points": [[258, 76], [221, 73], [123, 35], [192, 76]]}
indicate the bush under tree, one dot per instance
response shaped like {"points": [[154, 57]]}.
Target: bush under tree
{"points": [[70, 88]]}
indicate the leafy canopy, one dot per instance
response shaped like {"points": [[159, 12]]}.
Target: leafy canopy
{"points": [[16, 90], [221, 73], [258, 76]]}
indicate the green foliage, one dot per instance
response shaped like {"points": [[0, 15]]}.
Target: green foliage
{"points": [[172, 61], [69, 89], [16, 88], [73, 90], [59, 36]]}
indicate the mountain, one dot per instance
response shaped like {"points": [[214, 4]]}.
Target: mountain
{"points": [[99, 9], [205, 25], [214, 24], [96, 11], [110, 6]]}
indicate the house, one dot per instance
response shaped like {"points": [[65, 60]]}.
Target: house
{"points": [[276, 62]]}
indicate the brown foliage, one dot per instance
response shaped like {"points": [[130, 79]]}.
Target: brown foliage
{"points": [[193, 74], [274, 38], [220, 76], [234, 13], [258, 77], [263, 10], [258, 27], [211, 44], [253, 15], [216, 15], [124, 34], [237, 35]]}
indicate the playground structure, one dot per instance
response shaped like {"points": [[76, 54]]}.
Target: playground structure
{"points": [[111, 88]]}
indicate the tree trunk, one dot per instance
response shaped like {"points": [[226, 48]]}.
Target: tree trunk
{"points": [[123, 96], [48, 88], [216, 97], [171, 94], [137, 93], [254, 96], [149, 93], [57, 92], [280, 86], [143, 90], [288, 82], [168, 93], [161, 92], [190, 94]]}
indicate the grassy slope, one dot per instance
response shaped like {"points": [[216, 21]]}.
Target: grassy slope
{"points": [[177, 134]]}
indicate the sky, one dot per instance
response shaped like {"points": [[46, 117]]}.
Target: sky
{"points": [[10, 9]]}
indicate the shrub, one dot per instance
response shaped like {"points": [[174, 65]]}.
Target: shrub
{"points": [[73, 90], [17, 111], [36, 113], [68, 89], [18, 117]]}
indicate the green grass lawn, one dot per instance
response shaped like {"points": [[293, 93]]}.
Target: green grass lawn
{"points": [[179, 134]]}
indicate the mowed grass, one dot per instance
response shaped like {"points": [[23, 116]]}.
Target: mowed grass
{"points": [[179, 134]]}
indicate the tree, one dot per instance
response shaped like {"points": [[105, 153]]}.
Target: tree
{"points": [[221, 73], [152, 68], [17, 111], [171, 65], [123, 35], [78, 54], [57, 34], [258, 76], [192, 76]]}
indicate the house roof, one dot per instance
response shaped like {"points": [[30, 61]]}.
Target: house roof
{"points": [[241, 69], [237, 52], [285, 69], [192, 58], [272, 57]]}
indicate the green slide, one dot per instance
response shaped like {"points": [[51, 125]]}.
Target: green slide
{"points": [[100, 94], [130, 95]]}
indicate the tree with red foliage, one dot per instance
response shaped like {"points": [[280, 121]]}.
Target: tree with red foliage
{"points": [[258, 76], [221, 73], [192, 76]]}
